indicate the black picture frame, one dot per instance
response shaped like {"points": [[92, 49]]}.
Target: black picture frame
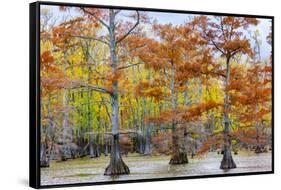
{"points": [[34, 93]]}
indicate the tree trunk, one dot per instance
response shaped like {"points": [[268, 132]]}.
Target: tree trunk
{"points": [[147, 150], [62, 153], [92, 148], [178, 155], [186, 99], [143, 126], [260, 148], [44, 161], [116, 165], [98, 146], [106, 141], [227, 161], [140, 144]]}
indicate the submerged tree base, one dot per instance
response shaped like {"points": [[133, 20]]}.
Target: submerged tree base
{"points": [[227, 161], [117, 168], [116, 165], [260, 149], [179, 158], [44, 164]]}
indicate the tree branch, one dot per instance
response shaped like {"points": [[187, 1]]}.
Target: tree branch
{"points": [[131, 29], [217, 47], [91, 38], [132, 65], [138, 47], [117, 12], [91, 87], [98, 89], [109, 133], [95, 16], [106, 108], [233, 52]]}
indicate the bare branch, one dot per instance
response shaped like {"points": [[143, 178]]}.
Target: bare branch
{"points": [[131, 29], [94, 102], [117, 12], [97, 88], [109, 133], [90, 87], [233, 52], [217, 47], [132, 65], [208, 38]]}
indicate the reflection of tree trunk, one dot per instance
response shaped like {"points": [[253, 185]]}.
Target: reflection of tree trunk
{"points": [[227, 161], [116, 165], [179, 156]]}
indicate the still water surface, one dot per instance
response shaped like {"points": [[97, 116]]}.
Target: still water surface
{"points": [[87, 170]]}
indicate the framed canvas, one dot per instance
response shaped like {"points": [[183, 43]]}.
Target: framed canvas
{"points": [[123, 94]]}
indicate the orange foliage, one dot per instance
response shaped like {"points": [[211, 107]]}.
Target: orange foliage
{"points": [[151, 89], [196, 111], [52, 78], [222, 32], [249, 136], [214, 140]]}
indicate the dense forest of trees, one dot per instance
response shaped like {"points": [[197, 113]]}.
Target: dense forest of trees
{"points": [[115, 82]]}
